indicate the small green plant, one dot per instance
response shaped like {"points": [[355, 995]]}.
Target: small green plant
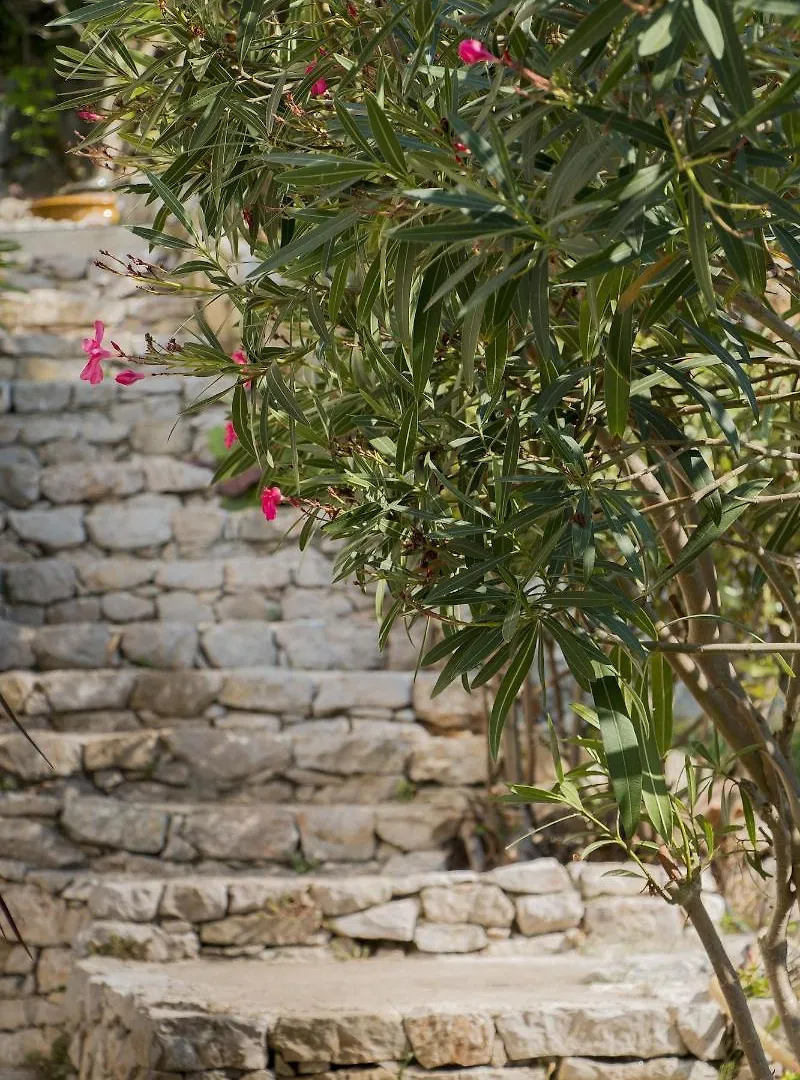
{"points": [[405, 791], [119, 948], [302, 865], [55, 1065], [754, 981]]}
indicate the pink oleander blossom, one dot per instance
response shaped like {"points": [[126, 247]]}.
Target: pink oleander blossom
{"points": [[93, 347], [319, 87], [128, 378], [271, 499], [240, 357], [472, 51], [89, 116], [230, 435]]}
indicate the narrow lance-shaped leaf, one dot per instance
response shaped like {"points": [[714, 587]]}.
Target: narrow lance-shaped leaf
{"points": [[661, 692], [518, 668], [621, 750], [618, 370], [425, 334]]}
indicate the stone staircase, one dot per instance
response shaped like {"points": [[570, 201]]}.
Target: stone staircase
{"points": [[236, 776]]}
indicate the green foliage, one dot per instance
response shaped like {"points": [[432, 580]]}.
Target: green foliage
{"points": [[494, 321], [55, 1065]]}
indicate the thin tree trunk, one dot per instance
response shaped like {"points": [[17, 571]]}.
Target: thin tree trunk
{"points": [[773, 943]]}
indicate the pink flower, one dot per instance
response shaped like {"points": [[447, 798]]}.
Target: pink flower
{"points": [[230, 435], [352, 11], [241, 358], [319, 87], [93, 347], [271, 499], [472, 51], [89, 116], [128, 378]]}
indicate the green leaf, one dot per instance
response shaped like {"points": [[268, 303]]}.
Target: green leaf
{"points": [[100, 10], [384, 135], [249, 18], [596, 26], [709, 27], [657, 34], [283, 396], [731, 66], [406, 437], [621, 750], [618, 370], [696, 235], [309, 241], [655, 796], [661, 693], [425, 334], [518, 668], [326, 174], [171, 201]]}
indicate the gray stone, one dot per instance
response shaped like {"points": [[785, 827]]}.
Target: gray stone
{"points": [[36, 844], [83, 645], [192, 575], [537, 876], [606, 879], [394, 921], [667, 1068], [341, 690], [80, 609], [318, 646], [160, 437], [247, 607], [89, 482], [109, 823], [702, 1026], [160, 645], [44, 919], [375, 747], [168, 474], [450, 1038], [120, 572], [545, 914], [224, 757], [270, 691], [198, 900], [51, 529], [19, 476], [140, 522], [197, 528], [239, 644], [449, 937], [337, 833], [485, 905], [32, 397], [187, 1042], [353, 894], [15, 649], [20, 758], [242, 833], [452, 708], [131, 901], [458, 760], [629, 918], [127, 607], [362, 1038], [292, 919], [40, 582], [183, 607], [76, 691], [129, 752], [184, 693], [419, 826]]}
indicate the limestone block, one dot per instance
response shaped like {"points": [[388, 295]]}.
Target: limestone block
{"points": [[308, 603], [484, 1072], [242, 833], [18, 1047], [131, 901], [292, 919], [377, 748], [40, 396], [15, 648], [629, 918], [170, 474], [394, 921], [41, 582], [44, 919], [135, 941], [180, 693], [450, 1038], [431, 937], [160, 645], [51, 529], [76, 691], [117, 572], [84, 482], [262, 573], [161, 436], [52, 969], [604, 879], [194, 575], [223, 757], [14, 960], [19, 476], [338, 833], [110, 823], [667, 1068], [197, 528], [132, 751], [194, 1041], [195, 900], [353, 894], [127, 607], [642, 1029], [85, 645], [537, 876], [239, 644], [271, 691], [419, 826], [702, 1026], [340, 691], [252, 607], [458, 760], [183, 607], [485, 905], [318, 646], [36, 844], [363, 1038], [546, 914], [452, 708], [140, 522], [81, 609], [19, 757]]}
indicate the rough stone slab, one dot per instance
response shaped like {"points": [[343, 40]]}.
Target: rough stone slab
{"points": [[342, 690], [223, 757], [195, 575], [81, 645], [116, 572], [51, 529], [548, 913], [633, 918], [342, 1040], [37, 844], [167, 474], [43, 918], [85, 482], [537, 876], [180, 693], [270, 691], [458, 760], [41, 582], [19, 757], [189, 1042], [246, 833], [667, 1068], [128, 900], [419, 826], [337, 833], [351, 895], [77, 691], [450, 1038], [375, 748], [144, 521], [107, 822], [394, 921], [453, 708], [231, 644], [160, 645], [196, 901], [485, 905], [132, 751], [290, 920], [604, 879], [432, 937]]}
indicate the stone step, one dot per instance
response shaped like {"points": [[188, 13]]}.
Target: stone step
{"points": [[475, 1019], [331, 760], [85, 831], [349, 643], [129, 699]]}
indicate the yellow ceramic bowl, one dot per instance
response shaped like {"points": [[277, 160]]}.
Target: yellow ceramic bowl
{"points": [[101, 205]]}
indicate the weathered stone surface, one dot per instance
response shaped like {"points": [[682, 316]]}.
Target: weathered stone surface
{"points": [[130, 901], [140, 522], [194, 575], [537, 876], [350, 895], [394, 921], [548, 913], [36, 844], [117, 572], [197, 528], [672, 1068], [418, 826], [41, 582], [19, 757], [168, 474], [76, 691], [292, 919], [605, 879], [15, 649], [339, 691], [459, 760], [130, 752], [44, 919], [373, 747], [84, 646], [51, 529], [702, 1026], [135, 941], [453, 708], [182, 693], [110, 823], [183, 607], [629, 918], [160, 437], [223, 757], [190, 1042], [485, 905], [450, 1038], [267, 573], [19, 476], [343, 1040], [127, 607], [18, 1047], [318, 646], [339, 833], [200, 900], [271, 691], [40, 396], [161, 645], [242, 833], [432, 937], [239, 644], [85, 482], [243, 608], [52, 969], [643, 1029]]}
